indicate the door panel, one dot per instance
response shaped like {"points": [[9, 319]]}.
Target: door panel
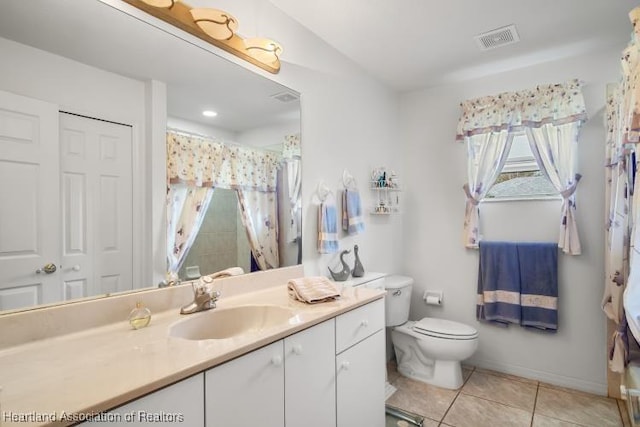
{"points": [[97, 211], [29, 212]]}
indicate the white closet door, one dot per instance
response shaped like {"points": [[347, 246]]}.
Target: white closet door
{"points": [[29, 202], [97, 206]]}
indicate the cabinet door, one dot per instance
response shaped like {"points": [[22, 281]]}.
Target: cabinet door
{"points": [[247, 391], [179, 404], [360, 372], [310, 387]]}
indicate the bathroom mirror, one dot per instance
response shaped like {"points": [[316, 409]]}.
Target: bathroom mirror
{"points": [[68, 53]]}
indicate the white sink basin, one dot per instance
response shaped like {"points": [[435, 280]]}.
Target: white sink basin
{"points": [[222, 323]]}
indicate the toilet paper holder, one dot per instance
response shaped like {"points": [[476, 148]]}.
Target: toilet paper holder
{"points": [[433, 297]]}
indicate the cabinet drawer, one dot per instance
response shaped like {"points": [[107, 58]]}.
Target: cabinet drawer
{"points": [[356, 325]]}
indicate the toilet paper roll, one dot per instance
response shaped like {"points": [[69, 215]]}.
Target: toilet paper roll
{"points": [[433, 300]]}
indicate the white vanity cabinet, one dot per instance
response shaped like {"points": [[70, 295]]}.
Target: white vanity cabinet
{"points": [[181, 403], [360, 366], [329, 375], [288, 383], [309, 373], [248, 390]]}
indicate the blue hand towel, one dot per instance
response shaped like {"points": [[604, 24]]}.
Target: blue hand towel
{"points": [[539, 285], [352, 221], [327, 226], [498, 283]]}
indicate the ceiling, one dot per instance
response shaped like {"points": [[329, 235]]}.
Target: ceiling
{"points": [[410, 44]]}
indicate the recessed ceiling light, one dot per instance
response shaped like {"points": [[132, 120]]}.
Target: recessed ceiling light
{"points": [[209, 113]]}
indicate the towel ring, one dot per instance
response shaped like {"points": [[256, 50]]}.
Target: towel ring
{"points": [[323, 191], [348, 180]]}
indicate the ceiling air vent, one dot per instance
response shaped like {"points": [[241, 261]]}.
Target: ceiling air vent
{"points": [[285, 96], [498, 37]]}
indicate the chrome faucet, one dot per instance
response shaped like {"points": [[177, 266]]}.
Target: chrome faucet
{"points": [[204, 298]]}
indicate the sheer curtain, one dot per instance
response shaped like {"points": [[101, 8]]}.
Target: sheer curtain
{"points": [[555, 148], [486, 154], [552, 115]]}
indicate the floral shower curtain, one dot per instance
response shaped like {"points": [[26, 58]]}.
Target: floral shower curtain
{"points": [[622, 198], [617, 233], [186, 208], [196, 165], [546, 108], [292, 158], [260, 220]]}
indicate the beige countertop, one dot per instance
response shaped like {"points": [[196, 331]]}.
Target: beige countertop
{"points": [[104, 367]]}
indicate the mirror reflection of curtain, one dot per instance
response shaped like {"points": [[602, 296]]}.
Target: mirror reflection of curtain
{"points": [[202, 163], [193, 165], [292, 158], [260, 220], [186, 207]]}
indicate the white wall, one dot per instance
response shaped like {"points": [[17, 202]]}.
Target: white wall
{"points": [[432, 234]]}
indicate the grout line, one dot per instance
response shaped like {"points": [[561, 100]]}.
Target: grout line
{"points": [[450, 405], [457, 394], [535, 404]]}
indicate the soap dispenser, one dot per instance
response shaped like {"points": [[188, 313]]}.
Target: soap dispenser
{"points": [[139, 316]]}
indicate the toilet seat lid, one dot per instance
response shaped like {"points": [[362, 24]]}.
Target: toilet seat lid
{"points": [[442, 328]]}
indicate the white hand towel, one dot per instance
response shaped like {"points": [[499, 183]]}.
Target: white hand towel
{"points": [[313, 289]]}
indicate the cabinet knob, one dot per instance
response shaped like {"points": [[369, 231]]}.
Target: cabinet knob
{"points": [[345, 365], [276, 360], [297, 349], [364, 323]]}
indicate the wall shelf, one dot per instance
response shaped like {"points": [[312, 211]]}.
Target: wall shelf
{"points": [[386, 187]]}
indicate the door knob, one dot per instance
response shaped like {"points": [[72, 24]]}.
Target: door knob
{"points": [[76, 267], [48, 269]]}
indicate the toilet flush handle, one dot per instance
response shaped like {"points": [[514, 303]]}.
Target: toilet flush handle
{"points": [[397, 293]]}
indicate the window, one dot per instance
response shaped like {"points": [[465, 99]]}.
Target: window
{"points": [[521, 177]]}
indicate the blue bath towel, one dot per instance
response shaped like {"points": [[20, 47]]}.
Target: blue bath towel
{"points": [[352, 221], [499, 283], [327, 226], [539, 285]]}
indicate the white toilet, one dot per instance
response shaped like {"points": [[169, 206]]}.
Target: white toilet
{"points": [[429, 350]]}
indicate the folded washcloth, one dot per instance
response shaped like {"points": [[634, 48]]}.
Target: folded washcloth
{"points": [[327, 226], [352, 221], [312, 289]]}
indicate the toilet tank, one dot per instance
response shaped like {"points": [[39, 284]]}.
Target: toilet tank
{"points": [[398, 299]]}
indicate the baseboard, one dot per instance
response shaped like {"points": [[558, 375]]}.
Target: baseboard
{"points": [[542, 376]]}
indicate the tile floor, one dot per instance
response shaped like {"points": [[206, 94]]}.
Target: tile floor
{"points": [[493, 399]]}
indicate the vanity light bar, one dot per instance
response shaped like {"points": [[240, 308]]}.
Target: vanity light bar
{"points": [[215, 27]]}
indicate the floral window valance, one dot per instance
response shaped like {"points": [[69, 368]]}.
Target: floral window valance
{"points": [[291, 147], [553, 103], [205, 162]]}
